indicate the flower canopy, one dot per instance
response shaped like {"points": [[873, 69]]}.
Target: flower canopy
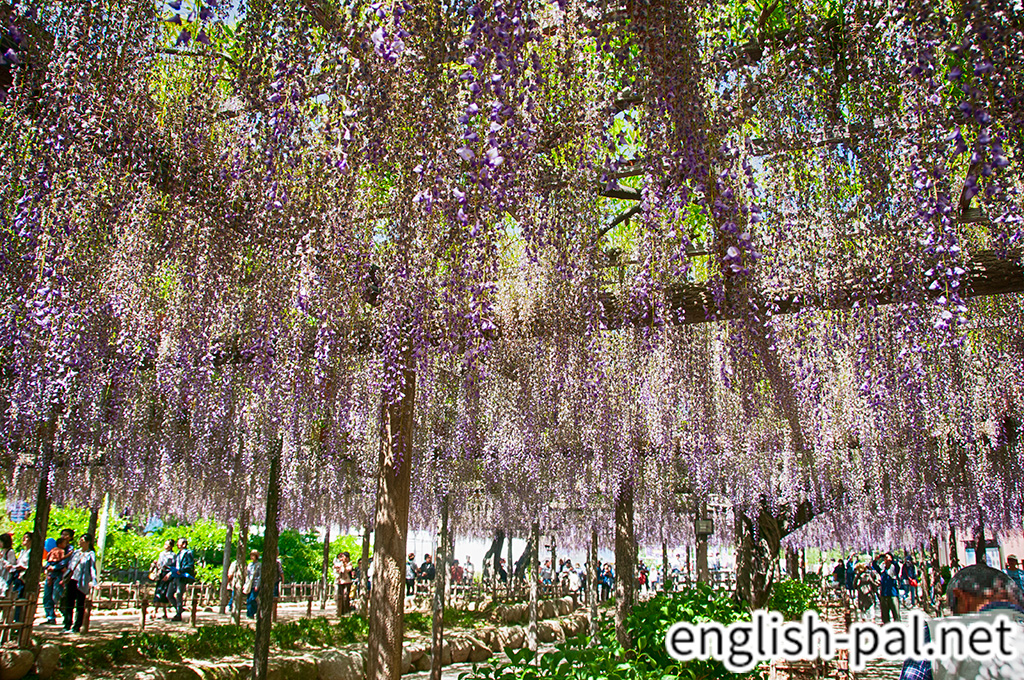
{"points": [[765, 252]]}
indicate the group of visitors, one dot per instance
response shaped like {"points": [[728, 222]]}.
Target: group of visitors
{"points": [[424, 573], [69, 572], [173, 570], [885, 582]]}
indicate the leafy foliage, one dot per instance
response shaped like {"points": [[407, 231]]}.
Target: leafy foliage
{"points": [[576, 659], [792, 598]]}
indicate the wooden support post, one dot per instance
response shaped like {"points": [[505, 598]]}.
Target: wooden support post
{"points": [[440, 572], [592, 586], [509, 568], [703, 573], [268, 566], [666, 576], [195, 606], [625, 564], [309, 607], [224, 571], [326, 569], [533, 573], [142, 614], [241, 555], [391, 524], [94, 518], [555, 581]]}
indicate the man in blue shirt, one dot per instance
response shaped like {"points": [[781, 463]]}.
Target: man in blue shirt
{"points": [[889, 591]]}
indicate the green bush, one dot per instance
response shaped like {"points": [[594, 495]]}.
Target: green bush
{"points": [[575, 659], [319, 632], [792, 598]]}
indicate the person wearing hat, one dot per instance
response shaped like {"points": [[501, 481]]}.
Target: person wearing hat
{"points": [[1013, 571], [978, 594]]}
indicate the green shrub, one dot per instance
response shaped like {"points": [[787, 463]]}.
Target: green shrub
{"points": [[419, 622], [792, 598], [319, 632], [575, 659]]}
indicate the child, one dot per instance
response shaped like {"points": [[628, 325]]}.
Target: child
{"points": [[53, 590]]}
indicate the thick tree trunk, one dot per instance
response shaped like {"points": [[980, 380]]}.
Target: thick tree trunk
{"points": [[534, 550], [225, 569], [326, 568], [39, 527], [625, 563], [441, 571], [364, 575], [592, 587], [494, 555], [387, 604], [268, 567], [241, 555], [792, 562], [757, 557]]}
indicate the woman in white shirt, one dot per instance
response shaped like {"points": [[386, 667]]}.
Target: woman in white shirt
{"points": [[8, 561], [162, 570], [79, 579]]}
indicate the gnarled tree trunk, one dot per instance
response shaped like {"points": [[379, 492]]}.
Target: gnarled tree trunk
{"points": [[391, 523]]}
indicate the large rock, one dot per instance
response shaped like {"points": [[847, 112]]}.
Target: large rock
{"points": [[299, 668], [340, 665], [479, 652], [213, 670], [489, 636], [460, 649], [549, 631], [406, 660], [16, 663], [546, 610], [47, 661], [170, 672], [423, 663], [446, 653], [417, 651], [564, 606], [512, 637]]}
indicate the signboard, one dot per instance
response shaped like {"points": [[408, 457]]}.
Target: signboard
{"points": [[19, 510], [704, 527]]}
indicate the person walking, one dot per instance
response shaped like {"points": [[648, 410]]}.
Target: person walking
{"points": [[78, 581], [867, 585], [889, 588], [182, 574], [252, 584], [410, 575], [343, 579]]}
